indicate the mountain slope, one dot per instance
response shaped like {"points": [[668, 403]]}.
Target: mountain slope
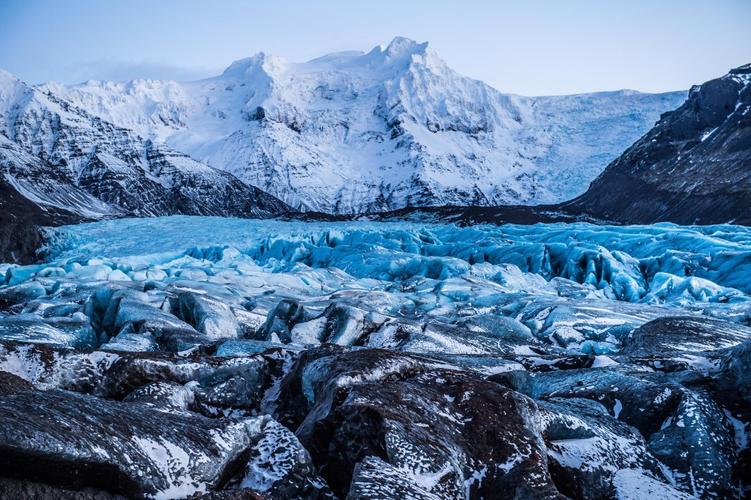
{"points": [[57, 155], [355, 132], [694, 166], [19, 220]]}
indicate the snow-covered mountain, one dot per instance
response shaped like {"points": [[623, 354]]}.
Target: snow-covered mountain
{"points": [[59, 156], [393, 127]]}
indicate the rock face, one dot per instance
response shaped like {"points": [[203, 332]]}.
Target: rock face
{"points": [[451, 434], [694, 166], [358, 132], [19, 236]]}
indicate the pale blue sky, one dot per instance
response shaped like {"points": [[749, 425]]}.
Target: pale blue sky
{"points": [[529, 47]]}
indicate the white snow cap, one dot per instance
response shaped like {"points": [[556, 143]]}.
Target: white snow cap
{"points": [[353, 132]]}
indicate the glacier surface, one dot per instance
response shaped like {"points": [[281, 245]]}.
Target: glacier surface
{"points": [[349, 358], [569, 284]]}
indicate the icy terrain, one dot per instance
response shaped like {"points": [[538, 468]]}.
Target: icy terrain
{"points": [[356, 132], [381, 360]]}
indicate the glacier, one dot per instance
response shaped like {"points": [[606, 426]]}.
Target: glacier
{"points": [[348, 359], [576, 286], [655, 264]]}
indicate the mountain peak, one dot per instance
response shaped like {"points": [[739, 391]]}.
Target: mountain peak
{"points": [[741, 74], [11, 89], [741, 70], [399, 49], [401, 52], [259, 61], [7, 78], [401, 46]]}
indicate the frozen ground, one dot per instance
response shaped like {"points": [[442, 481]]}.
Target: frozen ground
{"points": [[621, 344]]}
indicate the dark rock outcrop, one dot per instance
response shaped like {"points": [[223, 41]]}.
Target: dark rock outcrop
{"points": [[76, 441], [666, 337], [16, 488], [11, 384], [693, 167], [457, 434], [20, 221]]}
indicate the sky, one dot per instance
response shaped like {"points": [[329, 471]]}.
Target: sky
{"points": [[531, 47]]}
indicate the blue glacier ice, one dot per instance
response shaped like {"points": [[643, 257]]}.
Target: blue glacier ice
{"points": [[182, 281], [623, 260]]}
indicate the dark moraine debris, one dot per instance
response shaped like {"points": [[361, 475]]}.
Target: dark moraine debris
{"points": [[17, 489], [681, 427], [734, 377], [457, 434], [586, 446], [11, 384], [76, 441], [375, 479], [464, 215], [671, 336], [216, 384]]}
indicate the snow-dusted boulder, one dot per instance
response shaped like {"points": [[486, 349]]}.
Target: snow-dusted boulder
{"points": [[79, 441]]}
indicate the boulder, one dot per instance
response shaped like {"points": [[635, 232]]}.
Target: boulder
{"points": [[75, 441]]}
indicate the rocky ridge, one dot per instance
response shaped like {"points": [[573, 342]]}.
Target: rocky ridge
{"points": [[693, 167]]}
